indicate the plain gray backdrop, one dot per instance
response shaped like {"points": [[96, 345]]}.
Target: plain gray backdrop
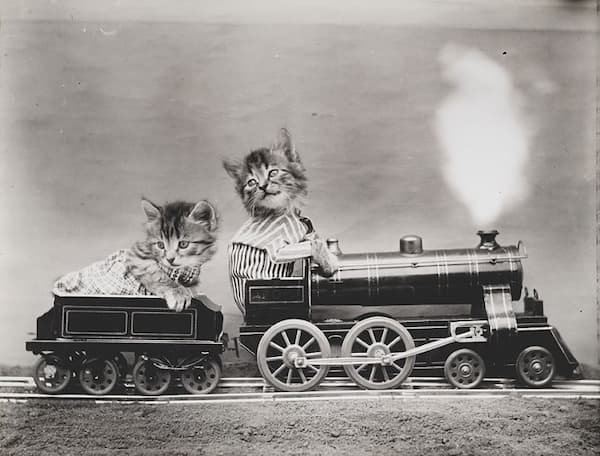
{"points": [[103, 102]]}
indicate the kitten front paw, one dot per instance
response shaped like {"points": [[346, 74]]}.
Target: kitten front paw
{"points": [[327, 261], [178, 299]]}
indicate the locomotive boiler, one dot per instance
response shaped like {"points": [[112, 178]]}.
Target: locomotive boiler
{"points": [[381, 315]]}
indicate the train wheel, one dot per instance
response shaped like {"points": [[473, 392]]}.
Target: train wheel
{"points": [[149, 379], [282, 344], [464, 369], [535, 367], [376, 337], [202, 379], [51, 374], [98, 376]]}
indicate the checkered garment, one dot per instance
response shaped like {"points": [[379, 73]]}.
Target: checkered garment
{"points": [[111, 276]]}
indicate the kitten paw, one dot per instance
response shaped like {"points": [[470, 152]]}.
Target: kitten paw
{"points": [[327, 261], [178, 299]]}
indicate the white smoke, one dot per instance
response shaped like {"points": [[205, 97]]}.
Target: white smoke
{"points": [[483, 133]]}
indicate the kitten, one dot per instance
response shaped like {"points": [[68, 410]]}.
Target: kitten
{"points": [[180, 237], [272, 184]]}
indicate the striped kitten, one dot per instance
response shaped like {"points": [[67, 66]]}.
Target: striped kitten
{"points": [[180, 237], [272, 183]]}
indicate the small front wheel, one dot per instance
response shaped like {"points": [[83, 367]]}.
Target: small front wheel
{"points": [[464, 369], [52, 374], [535, 367]]}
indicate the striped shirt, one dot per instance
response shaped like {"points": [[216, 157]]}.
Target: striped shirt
{"points": [[266, 248]]}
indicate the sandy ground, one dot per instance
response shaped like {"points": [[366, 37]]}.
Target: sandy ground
{"points": [[503, 426], [469, 426]]}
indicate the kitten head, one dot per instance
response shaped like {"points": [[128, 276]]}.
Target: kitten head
{"points": [[270, 180], [180, 233]]}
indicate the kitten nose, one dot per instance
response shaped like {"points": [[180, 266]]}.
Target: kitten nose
{"points": [[264, 187], [170, 259]]}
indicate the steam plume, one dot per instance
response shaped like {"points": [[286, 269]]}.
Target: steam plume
{"points": [[482, 131]]}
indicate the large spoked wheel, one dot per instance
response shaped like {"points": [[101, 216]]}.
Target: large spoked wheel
{"points": [[202, 379], [464, 369], [52, 374], [98, 376], [282, 344], [373, 338], [149, 379], [535, 367]]}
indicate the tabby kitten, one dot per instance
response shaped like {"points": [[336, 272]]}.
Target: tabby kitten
{"points": [[180, 237], [272, 183]]}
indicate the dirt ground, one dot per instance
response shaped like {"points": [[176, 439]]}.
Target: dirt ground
{"points": [[501, 426]]}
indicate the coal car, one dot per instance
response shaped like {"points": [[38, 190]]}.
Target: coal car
{"points": [[383, 316], [97, 342]]}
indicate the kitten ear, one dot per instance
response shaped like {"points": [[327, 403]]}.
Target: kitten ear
{"points": [[151, 210], [233, 168], [284, 144], [205, 213]]}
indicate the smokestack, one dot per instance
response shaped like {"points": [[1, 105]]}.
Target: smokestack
{"points": [[488, 239]]}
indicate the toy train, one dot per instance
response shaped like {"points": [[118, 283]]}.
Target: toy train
{"points": [[381, 317]]}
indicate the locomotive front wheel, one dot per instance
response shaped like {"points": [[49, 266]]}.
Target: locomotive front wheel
{"points": [[149, 379], [373, 338], [464, 369], [202, 379], [535, 367], [98, 376], [282, 344], [51, 374]]}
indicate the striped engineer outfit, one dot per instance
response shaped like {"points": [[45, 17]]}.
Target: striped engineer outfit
{"points": [[266, 248]]}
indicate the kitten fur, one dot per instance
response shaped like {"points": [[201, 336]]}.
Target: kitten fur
{"points": [[167, 227], [275, 194], [180, 237], [272, 184]]}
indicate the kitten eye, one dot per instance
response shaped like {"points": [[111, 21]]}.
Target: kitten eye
{"points": [[183, 244], [160, 245], [273, 173], [252, 183]]}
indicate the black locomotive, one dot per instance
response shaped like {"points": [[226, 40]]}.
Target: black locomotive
{"points": [[383, 315], [92, 337]]}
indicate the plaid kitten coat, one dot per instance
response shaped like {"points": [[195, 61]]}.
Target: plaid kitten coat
{"points": [[110, 276]]}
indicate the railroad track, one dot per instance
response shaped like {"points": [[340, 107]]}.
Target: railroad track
{"points": [[244, 389]]}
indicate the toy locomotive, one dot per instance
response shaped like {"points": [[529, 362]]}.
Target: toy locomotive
{"points": [[381, 316], [384, 314]]}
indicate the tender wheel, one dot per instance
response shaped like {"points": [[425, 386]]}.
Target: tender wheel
{"points": [[202, 379], [535, 367], [98, 376], [464, 369], [51, 374], [149, 379], [373, 338], [282, 344]]}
